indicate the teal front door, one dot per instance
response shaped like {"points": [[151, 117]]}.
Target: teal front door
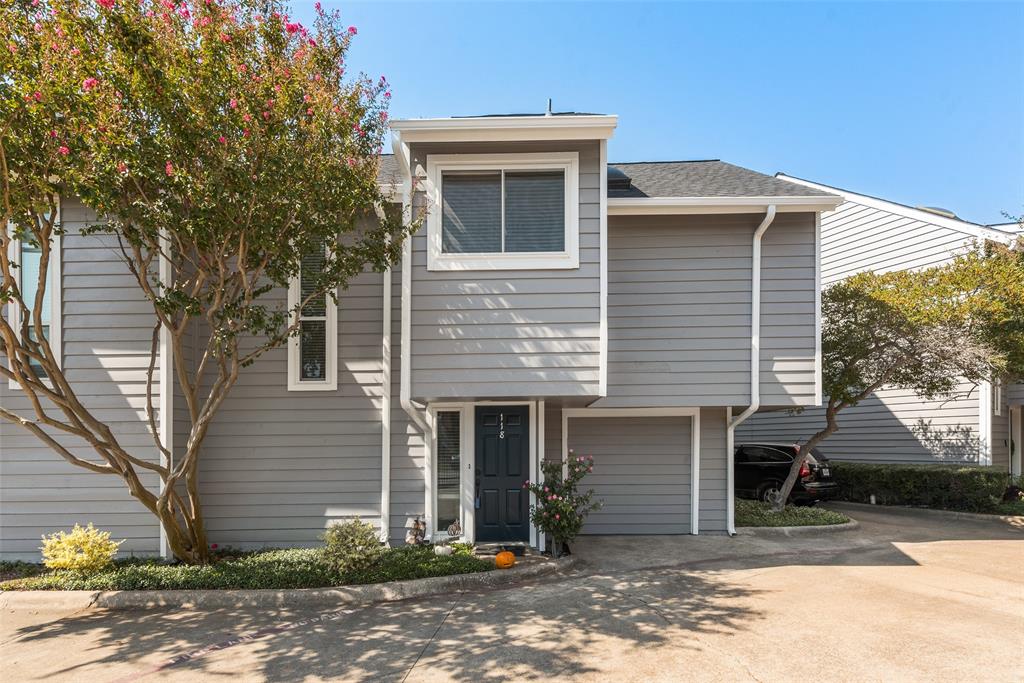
{"points": [[502, 467]]}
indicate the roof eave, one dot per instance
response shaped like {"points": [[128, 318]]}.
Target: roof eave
{"points": [[506, 128], [661, 206]]}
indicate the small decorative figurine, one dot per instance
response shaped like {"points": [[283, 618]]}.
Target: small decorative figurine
{"points": [[417, 533], [455, 529]]}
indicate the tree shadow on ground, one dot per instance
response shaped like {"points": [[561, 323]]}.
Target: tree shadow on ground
{"points": [[527, 632]]}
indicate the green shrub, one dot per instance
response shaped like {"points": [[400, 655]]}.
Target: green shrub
{"points": [[84, 549], [462, 549], [756, 513], [416, 562], [947, 487], [352, 546]]}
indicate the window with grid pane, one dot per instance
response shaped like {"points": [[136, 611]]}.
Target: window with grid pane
{"points": [[313, 352], [491, 212]]}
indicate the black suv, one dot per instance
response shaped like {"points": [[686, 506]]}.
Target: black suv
{"points": [[761, 468]]}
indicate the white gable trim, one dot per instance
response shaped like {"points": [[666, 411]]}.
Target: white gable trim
{"points": [[972, 229], [660, 206], [506, 128]]}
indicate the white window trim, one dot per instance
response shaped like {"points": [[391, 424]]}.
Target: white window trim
{"points": [[997, 398], [56, 302], [467, 462], [295, 381], [568, 162]]}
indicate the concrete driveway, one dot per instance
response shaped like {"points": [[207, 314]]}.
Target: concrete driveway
{"points": [[906, 597]]}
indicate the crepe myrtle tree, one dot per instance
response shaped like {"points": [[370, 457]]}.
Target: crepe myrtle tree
{"points": [[924, 331], [224, 140]]}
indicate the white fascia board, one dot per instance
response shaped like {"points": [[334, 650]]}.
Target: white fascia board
{"points": [[506, 128], [654, 206], [973, 229]]}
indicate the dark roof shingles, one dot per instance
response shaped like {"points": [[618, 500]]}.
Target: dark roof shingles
{"points": [[388, 172], [711, 178]]}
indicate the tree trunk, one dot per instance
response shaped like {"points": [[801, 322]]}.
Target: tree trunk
{"points": [[186, 535], [779, 502]]}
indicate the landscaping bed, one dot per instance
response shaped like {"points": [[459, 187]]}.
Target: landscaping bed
{"points": [[757, 514], [280, 569]]}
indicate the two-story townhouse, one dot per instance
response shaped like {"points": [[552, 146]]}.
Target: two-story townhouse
{"points": [[978, 425], [552, 301]]}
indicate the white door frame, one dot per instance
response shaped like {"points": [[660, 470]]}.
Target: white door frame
{"points": [[467, 461], [693, 413], [1016, 438]]}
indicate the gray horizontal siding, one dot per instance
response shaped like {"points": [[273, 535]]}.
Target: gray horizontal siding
{"points": [[714, 490], [1015, 393], [107, 329], [890, 426], [277, 467], [679, 311], [1000, 435], [498, 334], [641, 473], [855, 238]]}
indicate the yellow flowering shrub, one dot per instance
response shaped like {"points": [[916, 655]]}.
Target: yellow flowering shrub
{"points": [[84, 549]]}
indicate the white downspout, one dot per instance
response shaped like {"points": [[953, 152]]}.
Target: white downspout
{"points": [[385, 413], [166, 380], [755, 370], [405, 383]]}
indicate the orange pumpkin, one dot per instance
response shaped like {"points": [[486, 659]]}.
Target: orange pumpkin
{"points": [[504, 559]]}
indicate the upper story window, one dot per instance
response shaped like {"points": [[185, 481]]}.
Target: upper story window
{"points": [[505, 211], [313, 353], [29, 258]]}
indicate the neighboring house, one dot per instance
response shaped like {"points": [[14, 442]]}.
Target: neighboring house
{"points": [[551, 302], [975, 427]]}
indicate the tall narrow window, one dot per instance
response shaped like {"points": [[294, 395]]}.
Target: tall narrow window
{"points": [[448, 467], [29, 258], [313, 353]]}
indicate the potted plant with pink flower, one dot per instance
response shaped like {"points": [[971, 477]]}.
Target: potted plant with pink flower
{"points": [[560, 507]]}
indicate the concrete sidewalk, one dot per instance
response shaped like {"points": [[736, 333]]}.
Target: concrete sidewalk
{"points": [[903, 597]]}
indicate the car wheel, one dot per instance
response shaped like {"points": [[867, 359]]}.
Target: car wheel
{"points": [[768, 492]]}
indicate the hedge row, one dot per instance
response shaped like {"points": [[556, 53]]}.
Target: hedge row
{"points": [[948, 487]]}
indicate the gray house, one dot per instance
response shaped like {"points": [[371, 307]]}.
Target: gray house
{"points": [[552, 301], [981, 425]]}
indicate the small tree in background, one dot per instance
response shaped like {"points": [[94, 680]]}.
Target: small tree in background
{"points": [[923, 331], [223, 139]]}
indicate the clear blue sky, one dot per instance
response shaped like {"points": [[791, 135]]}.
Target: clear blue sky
{"points": [[921, 103]]}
